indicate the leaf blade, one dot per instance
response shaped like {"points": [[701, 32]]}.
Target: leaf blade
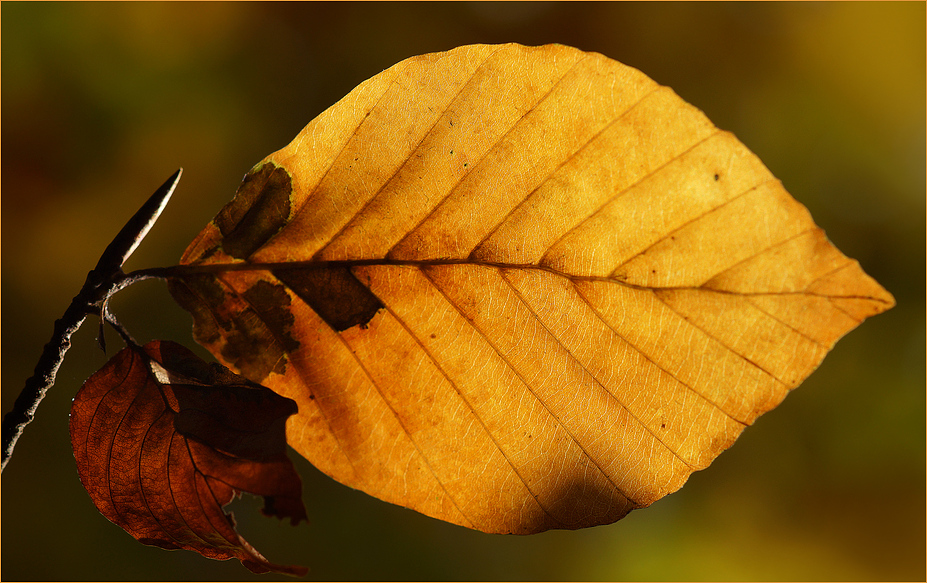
{"points": [[164, 482], [574, 310]]}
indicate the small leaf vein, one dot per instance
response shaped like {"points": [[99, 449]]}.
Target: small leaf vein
{"points": [[597, 381], [620, 193], [531, 390], [650, 358]]}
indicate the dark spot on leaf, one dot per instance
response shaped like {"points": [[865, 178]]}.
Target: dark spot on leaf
{"points": [[273, 303], [717, 177], [261, 208], [334, 293], [257, 338], [434, 335], [244, 421], [208, 254], [192, 294]]}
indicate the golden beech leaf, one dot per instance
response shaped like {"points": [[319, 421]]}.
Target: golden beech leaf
{"points": [[163, 441], [519, 288]]}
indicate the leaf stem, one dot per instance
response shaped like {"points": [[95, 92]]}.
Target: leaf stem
{"points": [[102, 282]]}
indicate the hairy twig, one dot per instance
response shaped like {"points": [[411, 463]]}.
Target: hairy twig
{"points": [[102, 282]]}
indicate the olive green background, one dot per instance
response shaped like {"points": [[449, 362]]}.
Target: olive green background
{"points": [[102, 102]]}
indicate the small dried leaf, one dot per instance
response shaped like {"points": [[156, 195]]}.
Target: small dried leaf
{"points": [[164, 440]]}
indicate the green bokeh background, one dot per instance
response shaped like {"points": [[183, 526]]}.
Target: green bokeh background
{"points": [[102, 102]]}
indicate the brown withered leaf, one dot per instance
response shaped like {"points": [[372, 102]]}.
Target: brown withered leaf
{"points": [[164, 440], [519, 288]]}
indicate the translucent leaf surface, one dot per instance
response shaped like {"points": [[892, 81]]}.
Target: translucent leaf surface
{"points": [[519, 288]]}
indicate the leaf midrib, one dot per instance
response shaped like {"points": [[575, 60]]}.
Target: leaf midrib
{"points": [[183, 270]]}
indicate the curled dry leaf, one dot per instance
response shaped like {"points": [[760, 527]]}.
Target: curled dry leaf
{"points": [[164, 440], [519, 288]]}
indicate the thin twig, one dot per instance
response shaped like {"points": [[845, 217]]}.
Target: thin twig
{"points": [[107, 317], [102, 282], [44, 376]]}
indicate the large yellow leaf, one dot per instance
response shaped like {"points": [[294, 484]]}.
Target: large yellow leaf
{"points": [[519, 288]]}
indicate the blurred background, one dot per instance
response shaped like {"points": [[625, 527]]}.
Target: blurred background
{"points": [[102, 102]]}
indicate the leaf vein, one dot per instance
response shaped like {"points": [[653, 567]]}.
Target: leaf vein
{"points": [[831, 299], [719, 341], [170, 488], [459, 393], [784, 323], [194, 470], [533, 393], [386, 402], [109, 452], [142, 483], [690, 222], [479, 162], [582, 147], [753, 256], [597, 381], [112, 444], [650, 358], [335, 159], [425, 135], [620, 193]]}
